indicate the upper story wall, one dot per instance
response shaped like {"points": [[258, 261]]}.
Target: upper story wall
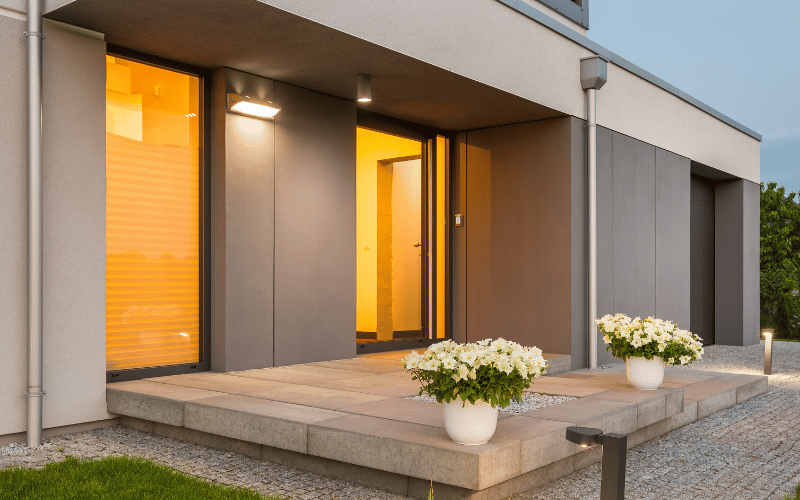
{"points": [[487, 41]]}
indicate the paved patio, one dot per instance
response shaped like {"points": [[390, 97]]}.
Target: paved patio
{"points": [[349, 419]]}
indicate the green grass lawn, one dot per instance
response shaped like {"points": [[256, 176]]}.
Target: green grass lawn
{"points": [[795, 495], [118, 478]]}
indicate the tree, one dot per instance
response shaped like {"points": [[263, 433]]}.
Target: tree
{"points": [[780, 260]]}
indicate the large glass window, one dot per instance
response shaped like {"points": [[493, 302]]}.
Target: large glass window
{"points": [[152, 216]]}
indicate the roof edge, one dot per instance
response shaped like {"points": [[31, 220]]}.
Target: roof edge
{"points": [[561, 29]]}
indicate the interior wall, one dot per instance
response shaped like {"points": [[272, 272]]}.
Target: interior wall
{"points": [[315, 226], [371, 148], [74, 228]]}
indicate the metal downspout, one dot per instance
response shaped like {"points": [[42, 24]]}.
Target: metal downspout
{"points": [[594, 74], [35, 392], [591, 95]]}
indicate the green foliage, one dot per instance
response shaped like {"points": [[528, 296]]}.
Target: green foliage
{"points": [[491, 371], [795, 495], [780, 260], [118, 478], [490, 385]]}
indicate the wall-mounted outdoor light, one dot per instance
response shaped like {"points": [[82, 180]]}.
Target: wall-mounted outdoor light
{"points": [[364, 88], [768, 334], [615, 449], [248, 106]]}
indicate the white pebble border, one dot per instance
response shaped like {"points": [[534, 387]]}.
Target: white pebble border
{"points": [[530, 402]]}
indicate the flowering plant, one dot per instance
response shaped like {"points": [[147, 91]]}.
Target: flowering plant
{"points": [[645, 338], [491, 371]]}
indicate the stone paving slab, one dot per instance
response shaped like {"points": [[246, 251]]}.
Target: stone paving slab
{"points": [[162, 403], [414, 450], [271, 423]]}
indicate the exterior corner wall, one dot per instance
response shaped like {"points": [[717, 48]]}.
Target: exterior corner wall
{"points": [[13, 226], [579, 224], [315, 226], [243, 233], [74, 200], [736, 265]]}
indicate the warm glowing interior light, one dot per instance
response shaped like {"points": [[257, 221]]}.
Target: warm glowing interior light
{"points": [[365, 99], [183, 334]]}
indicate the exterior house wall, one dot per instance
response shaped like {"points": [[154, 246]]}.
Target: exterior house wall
{"points": [[467, 37], [520, 260], [643, 230], [283, 227], [315, 226], [242, 229], [736, 262], [517, 271], [74, 228]]}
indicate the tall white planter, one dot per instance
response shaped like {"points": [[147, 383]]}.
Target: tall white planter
{"points": [[468, 423], [645, 374]]}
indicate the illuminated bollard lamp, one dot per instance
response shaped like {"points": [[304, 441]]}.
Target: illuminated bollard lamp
{"points": [[615, 450], [768, 334]]}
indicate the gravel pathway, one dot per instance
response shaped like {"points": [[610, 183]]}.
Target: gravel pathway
{"points": [[751, 451]]}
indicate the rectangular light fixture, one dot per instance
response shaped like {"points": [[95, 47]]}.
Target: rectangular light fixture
{"points": [[245, 105]]}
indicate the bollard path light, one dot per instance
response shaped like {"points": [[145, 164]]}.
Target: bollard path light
{"points": [[615, 449], [768, 334]]}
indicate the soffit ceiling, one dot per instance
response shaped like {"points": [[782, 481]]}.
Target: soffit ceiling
{"points": [[256, 38]]}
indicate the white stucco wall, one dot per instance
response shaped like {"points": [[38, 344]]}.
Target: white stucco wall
{"points": [[486, 41], [74, 227]]}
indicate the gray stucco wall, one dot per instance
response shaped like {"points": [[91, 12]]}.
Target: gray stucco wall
{"points": [[74, 228], [243, 236], [315, 226], [643, 231]]}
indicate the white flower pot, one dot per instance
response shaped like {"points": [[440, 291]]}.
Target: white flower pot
{"points": [[468, 423], [645, 374]]}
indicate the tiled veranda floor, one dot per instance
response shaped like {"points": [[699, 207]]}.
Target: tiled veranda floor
{"points": [[348, 419]]}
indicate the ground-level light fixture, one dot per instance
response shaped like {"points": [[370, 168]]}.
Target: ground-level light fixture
{"points": [[768, 333], [615, 449], [364, 88], [248, 106]]}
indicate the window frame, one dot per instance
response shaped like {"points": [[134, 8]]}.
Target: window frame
{"points": [[204, 190]]}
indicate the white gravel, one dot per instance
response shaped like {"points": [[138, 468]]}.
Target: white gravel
{"points": [[530, 401]]}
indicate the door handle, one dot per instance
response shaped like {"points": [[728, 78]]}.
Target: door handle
{"points": [[417, 244]]}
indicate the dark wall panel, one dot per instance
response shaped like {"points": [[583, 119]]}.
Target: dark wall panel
{"points": [[458, 240], [605, 235], [579, 223], [519, 252], [672, 237], [634, 215], [315, 227], [479, 240], [702, 259], [736, 262]]}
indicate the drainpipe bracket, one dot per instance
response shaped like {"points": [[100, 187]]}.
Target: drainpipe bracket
{"points": [[34, 394], [33, 33]]}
